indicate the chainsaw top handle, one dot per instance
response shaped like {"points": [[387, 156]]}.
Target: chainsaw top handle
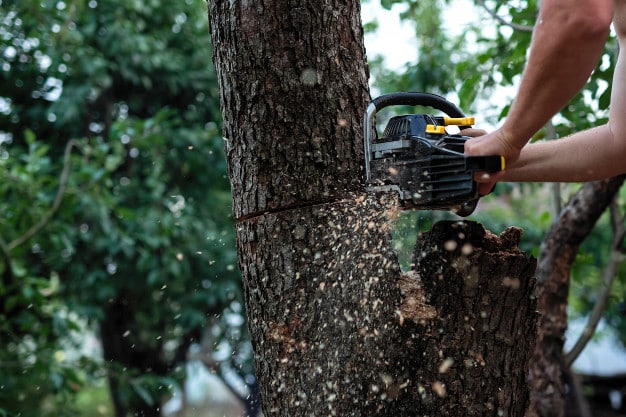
{"points": [[418, 99]]}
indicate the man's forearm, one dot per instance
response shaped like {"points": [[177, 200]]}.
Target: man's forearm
{"points": [[585, 156]]}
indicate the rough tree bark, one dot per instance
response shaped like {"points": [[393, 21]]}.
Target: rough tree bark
{"points": [[556, 256], [321, 280], [471, 295]]}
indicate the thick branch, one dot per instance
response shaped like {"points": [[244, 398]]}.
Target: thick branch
{"points": [[610, 272], [555, 259], [7, 275]]}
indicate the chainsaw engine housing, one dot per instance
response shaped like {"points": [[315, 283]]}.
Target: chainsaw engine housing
{"points": [[417, 158]]}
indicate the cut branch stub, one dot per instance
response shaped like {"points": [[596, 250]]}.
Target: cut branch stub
{"points": [[483, 347]]}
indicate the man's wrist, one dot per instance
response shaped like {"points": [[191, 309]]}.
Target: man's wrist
{"points": [[511, 141]]}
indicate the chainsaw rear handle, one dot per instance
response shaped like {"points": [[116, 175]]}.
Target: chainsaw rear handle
{"points": [[398, 99], [407, 99], [487, 163]]}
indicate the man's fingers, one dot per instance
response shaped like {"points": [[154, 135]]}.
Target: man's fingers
{"points": [[487, 181], [486, 188], [473, 146], [473, 132]]}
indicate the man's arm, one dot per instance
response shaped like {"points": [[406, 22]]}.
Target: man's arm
{"points": [[588, 155], [567, 43]]}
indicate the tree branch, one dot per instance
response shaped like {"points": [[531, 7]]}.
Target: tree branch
{"points": [[7, 277], [4, 251], [610, 272], [515, 26], [556, 255], [216, 367], [577, 391], [56, 203]]}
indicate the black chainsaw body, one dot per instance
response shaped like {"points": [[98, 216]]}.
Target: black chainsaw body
{"points": [[417, 158]]}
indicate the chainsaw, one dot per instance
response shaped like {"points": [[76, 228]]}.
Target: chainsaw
{"points": [[417, 158]]}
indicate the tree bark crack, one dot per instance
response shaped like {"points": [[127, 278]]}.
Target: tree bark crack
{"points": [[290, 207]]}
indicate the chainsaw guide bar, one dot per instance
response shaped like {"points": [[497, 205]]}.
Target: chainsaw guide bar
{"points": [[418, 159]]}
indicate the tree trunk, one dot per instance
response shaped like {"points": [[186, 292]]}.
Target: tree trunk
{"points": [[321, 279], [321, 300], [293, 86], [556, 256]]}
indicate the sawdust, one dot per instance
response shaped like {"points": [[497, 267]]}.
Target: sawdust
{"points": [[414, 305]]}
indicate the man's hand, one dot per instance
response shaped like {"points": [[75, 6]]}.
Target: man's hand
{"points": [[494, 143]]}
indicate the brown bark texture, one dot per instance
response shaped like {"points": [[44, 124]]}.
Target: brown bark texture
{"points": [[555, 259], [473, 353], [321, 280], [291, 135], [322, 295]]}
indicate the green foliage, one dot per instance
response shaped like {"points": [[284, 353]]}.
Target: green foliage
{"points": [[94, 401], [115, 202], [37, 329]]}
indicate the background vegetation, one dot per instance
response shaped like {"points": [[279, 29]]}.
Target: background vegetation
{"points": [[117, 261], [116, 234]]}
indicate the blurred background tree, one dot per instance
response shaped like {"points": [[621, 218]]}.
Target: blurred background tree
{"points": [[115, 205]]}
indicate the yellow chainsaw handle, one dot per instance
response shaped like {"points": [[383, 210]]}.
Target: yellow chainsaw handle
{"points": [[458, 121]]}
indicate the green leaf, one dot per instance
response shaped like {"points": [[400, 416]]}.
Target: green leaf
{"points": [[29, 136]]}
